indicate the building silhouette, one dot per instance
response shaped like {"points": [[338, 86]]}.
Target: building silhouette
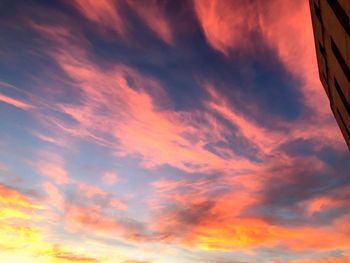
{"points": [[331, 25]]}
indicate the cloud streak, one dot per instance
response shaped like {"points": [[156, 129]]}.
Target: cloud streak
{"points": [[187, 131]]}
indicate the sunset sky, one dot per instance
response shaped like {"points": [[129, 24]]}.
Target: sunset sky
{"points": [[192, 131]]}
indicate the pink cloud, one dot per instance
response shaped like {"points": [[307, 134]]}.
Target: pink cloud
{"points": [[108, 16], [54, 196], [118, 204], [3, 167], [51, 139], [104, 12], [90, 191], [325, 259], [95, 195], [130, 113], [265, 140], [152, 14], [109, 177], [5, 84], [188, 212], [226, 24], [121, 114], [78, 218], [15, 102], [52, 166]]}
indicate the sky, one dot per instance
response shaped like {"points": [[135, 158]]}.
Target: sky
{"points": [[167, 132]]}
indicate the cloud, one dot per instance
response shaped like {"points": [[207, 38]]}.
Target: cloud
{"points": [[10, 196], [109, 178], [325, 259], [105, 13], [253, 210], [227, 24], [18, 213], [3, 167], [54, 196], [110, 15], [70, 257], [230, 180], [154, 17], [90, 190], [15, 102], [5, 84], [136, 261], [100, 220], [52, 165], [129, 111]]}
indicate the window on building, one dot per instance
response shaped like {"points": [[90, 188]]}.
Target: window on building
{"points": [[343, 123], [342, 96], [318, 12], [340, 59], [340, 14]]}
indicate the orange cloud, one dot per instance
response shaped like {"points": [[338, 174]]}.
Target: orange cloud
{"points": [[218, 230], [17, 216], [326, 259], [22, 232], [73, 258], [12, 197], [196, 213]]}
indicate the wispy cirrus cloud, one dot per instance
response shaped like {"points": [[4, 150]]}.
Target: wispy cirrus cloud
{"points": [[105, 13], [109, 15], [193, 131], [227, 24], [136, 110], [52, 165], [15, 102], [127, 96]]}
